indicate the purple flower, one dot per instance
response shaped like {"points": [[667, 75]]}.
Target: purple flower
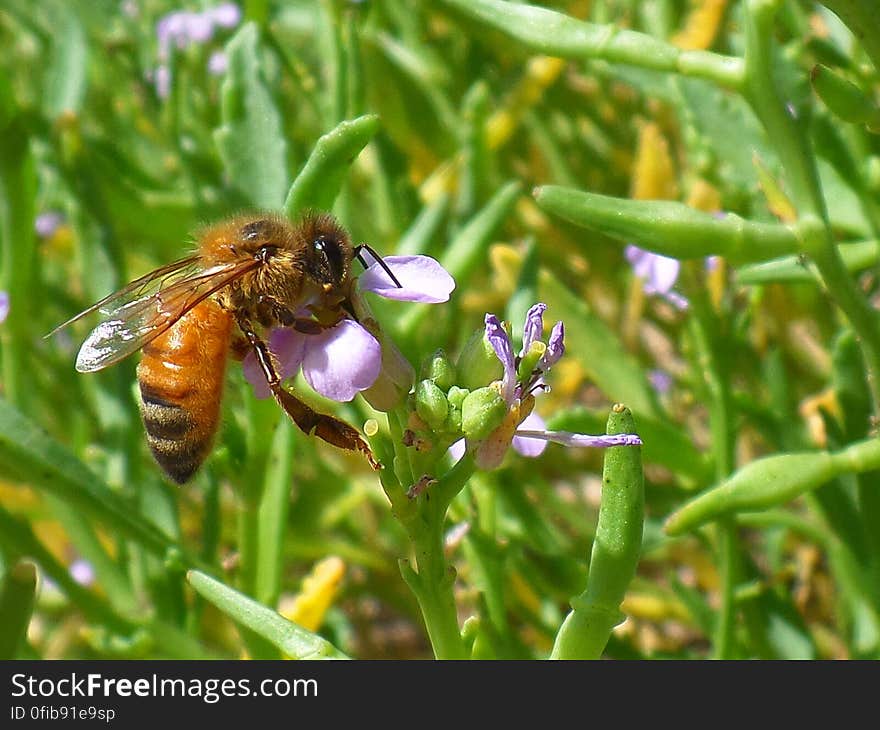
{"points": [[181, 29], [82, 572], [522, 380], [227, 15], [659, 274], [4, 306], [660, 381], [346, 359], [218, 63], [47, 223]]}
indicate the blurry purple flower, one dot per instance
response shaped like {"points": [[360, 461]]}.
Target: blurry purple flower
{"points": [[660, 381], [523, 429], [181, 29], [47, 223], [218, 63], [162, 81], [342, 361], [659, 274], [4, 306], [82, 572], [227, 15]]}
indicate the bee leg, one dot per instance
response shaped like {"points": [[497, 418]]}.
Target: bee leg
{"points": [[329, 429]]}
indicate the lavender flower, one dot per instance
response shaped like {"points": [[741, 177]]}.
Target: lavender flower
{"points": [[346, 359], [659, 274], [4, 306], [218, 63], [182, 29], [522, 380], [47, 223]]}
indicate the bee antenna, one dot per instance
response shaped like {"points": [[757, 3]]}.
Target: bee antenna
{"points": [[358, 252]]}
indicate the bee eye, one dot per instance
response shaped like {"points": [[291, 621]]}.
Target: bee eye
{"points": [[330, 256]]}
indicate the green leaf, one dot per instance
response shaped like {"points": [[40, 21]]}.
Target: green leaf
{"points": [[30, 455], [291, 639], [616, 549], [670, 228], [321, 178], [16, 604], [250, 139], [65, 75]]}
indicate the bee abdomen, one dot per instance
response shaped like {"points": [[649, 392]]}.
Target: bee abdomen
{"points": [[181, 383], [174, 437]]}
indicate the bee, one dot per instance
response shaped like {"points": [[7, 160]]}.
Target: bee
{"points": [[248, 274]]}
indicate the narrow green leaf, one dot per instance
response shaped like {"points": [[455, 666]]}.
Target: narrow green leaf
{"points": [[65, 75], [547, 31], [862, 17], [273, 510], [291, 639], [250, 139], [616, 549], [670, 228], [321, 178], [28, 454], [16, 604]]}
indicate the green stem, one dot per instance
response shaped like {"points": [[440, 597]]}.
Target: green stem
{"points": [[431, 580], [790, 141], [711, 362]]}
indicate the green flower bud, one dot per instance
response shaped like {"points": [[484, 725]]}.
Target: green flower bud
{"points": [[478, 365], [482, 412], [456, 396], [431, 404], [440, 370]]}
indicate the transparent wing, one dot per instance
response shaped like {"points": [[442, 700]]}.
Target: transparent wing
{"points": [[149, 306]]}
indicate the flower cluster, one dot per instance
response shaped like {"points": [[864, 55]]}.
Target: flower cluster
{"points": [[182, 29], [513, 421], [347, 359]]}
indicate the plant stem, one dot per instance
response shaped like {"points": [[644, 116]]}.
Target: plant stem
{"points": [[788, 137]]}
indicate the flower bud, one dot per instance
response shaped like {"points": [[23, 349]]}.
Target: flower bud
{"points": [[456, 396], [482, 411], [440, 370], [531, 359], [431, 404], [478, 365]]}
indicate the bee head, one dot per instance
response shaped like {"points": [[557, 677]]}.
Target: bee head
{"points": [[327, 252]]}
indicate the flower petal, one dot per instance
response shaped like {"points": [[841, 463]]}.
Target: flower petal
{"points": [[288, 346], [456, 451], [526, 445], [497, 336], [533, 329], [664, 272], [582, 439], [422, 279], [342, 361], [555, 347]]}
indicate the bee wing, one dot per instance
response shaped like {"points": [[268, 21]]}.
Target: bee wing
{"points": [[149, 306], [143, 286]]}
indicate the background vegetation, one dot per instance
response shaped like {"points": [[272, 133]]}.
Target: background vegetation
{"points": [[524, 148]]}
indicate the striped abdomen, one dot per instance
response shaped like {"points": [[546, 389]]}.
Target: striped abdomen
{"points": [[181, 380]]}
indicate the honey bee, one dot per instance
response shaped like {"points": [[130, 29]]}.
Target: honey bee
{"points": [[249, 273]]}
